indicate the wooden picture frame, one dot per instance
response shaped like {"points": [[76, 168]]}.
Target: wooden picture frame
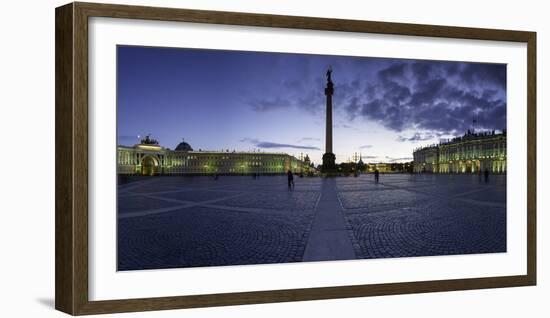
{"points": [[72, 280]]}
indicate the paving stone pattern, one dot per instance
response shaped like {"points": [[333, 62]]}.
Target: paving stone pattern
{"points": [[169, 222]]}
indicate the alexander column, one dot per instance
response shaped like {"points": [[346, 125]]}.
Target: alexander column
{"points": [[329, 159]]}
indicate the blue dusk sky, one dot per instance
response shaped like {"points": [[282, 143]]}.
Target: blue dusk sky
{"points": [[384, 108]]}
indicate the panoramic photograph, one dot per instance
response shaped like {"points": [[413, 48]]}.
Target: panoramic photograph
{"points": [[242, 158]]}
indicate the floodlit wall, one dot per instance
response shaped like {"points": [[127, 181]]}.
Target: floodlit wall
{"points": [[169, 162], [471, 153]]}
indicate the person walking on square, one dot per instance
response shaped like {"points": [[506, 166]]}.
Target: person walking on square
{"points": [[486, 175], [290, 180], [376, 175], [479, 174]]}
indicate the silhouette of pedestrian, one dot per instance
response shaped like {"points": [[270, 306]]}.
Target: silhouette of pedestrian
{"points": [[290, 180], [479, 174], [486, 173], [376, 175]]}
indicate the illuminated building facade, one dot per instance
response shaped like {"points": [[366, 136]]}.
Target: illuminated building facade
{"points": [[149, 158], [471, 153], [384, 167]]}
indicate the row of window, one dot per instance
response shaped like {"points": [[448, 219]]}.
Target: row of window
{"points": [[185, 163], [192, 157], [128, 158], [494, 167], [462, 155], [208, 170]]}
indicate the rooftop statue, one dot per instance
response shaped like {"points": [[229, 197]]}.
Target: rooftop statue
{"points": [[149, 141], [329, 73]]}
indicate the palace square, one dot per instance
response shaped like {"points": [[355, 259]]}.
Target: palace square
{"points": [[189, 221]]}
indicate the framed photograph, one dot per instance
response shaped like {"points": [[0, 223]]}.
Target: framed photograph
{"points": [[211, 158]]}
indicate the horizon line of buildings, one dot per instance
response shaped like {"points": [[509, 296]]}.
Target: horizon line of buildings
{"points": [[149, 158], [470, 153]]}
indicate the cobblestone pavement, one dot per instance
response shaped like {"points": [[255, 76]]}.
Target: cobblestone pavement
{"points": [[167, 222], [424, 215]]}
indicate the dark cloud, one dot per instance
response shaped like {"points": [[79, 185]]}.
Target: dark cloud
{"points": [[352, 106], [415, 137], [300, 87], [311, 101], [307, 100], [369, 157], [441, 97], [435, 96], [392, 159], [266, 144], [493, 73], [269, 145], [365, 147], [397, 94], [395, 71], [309, 139], [427, 92], [421, 70]]}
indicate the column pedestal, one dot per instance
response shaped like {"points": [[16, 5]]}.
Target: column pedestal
{"points": [[329, 163]]}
